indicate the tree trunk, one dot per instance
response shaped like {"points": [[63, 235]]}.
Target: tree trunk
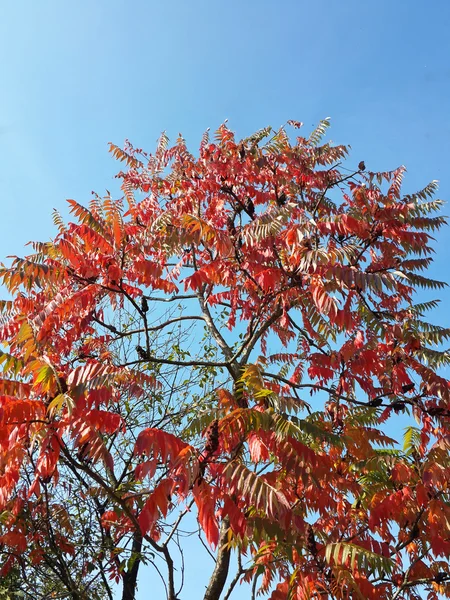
{"points": [[220, 573], [130, 576]]}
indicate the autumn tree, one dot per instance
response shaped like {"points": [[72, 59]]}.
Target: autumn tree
{"points": [[232, 339]]}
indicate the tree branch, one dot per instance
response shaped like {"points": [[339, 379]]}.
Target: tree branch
{"points": [[220, 573]]}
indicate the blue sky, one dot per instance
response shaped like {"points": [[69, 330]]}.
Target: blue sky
{"points": [[76, 75]]}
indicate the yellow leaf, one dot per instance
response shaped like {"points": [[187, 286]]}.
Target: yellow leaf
{"points": [[57, 404]]}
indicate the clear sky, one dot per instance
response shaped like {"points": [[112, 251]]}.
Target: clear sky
{"points": [[76, 75]]}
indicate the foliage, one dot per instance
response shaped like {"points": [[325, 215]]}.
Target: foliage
{"points": [[232, 335]]}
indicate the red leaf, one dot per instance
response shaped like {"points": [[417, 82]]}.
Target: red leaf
{"points": [[206, 506]]}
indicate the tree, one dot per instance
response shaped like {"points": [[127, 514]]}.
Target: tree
{"points": [[231, 337]]}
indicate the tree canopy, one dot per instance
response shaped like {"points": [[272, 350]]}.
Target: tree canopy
{"points": [[233, 337]]}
